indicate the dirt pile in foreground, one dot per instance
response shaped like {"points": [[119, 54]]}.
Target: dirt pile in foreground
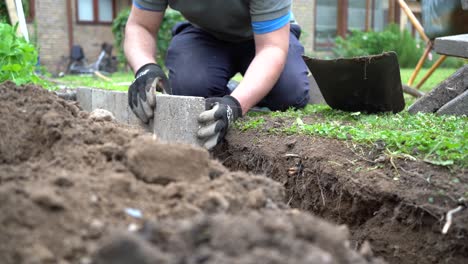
{"points": [[67, 180], [267, 237]]}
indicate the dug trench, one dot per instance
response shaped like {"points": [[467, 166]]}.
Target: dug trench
{"points": [[398, 205]]}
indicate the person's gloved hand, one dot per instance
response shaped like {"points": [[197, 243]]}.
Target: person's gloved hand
{"points": [[142, 92], [220, 114]]}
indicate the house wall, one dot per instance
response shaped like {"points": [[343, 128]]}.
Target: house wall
{"points": [[53, 36], [304, 13]]}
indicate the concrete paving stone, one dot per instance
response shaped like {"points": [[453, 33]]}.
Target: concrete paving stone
{"points": [[442, 94], [115, 102], [175, 118], [465, 78], [84, 97], [458, 106], [452, 45]]}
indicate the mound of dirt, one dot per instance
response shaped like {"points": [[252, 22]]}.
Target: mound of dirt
{"points": [[68, 179], [268, 237]]}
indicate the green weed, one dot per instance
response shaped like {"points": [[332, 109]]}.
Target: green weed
{"points": [[18, 58]]}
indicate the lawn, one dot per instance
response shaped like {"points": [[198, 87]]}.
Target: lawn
{"points": [[121, 80]]}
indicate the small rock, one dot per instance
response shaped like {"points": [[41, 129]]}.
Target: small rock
{"points": [[101, 115], [94, 199], [95, 229]]}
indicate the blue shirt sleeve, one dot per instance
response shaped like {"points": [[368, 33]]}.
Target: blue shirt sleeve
{"points": [[156, 6], [268, 26]]}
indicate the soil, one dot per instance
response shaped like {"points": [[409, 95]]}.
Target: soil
{"points": [[257, 237], [397, 205], [68, 181]]}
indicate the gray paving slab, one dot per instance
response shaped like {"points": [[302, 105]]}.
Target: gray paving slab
{"points": [[452, 45], [115, 102], [442, 94], [84, 98], [458, 106], [175, 118]]}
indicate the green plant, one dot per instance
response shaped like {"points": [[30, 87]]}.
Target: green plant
{"points": [[408, 49], [171, 17], [4, 17], [18, 58], [118, 29], [360, 43]]}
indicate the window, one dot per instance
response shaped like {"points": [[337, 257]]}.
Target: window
{"points": [[325, 24], [338, 17], [95, 11], [357, 15]]}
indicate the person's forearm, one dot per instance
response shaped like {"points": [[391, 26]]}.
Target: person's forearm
{"points": [[139, 46], [261, 76]]}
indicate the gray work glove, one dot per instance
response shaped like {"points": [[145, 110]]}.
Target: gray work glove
{"points": [[220, 114], [142, 92]]}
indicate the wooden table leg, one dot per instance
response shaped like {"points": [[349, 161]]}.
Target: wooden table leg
{"points": [[431, 70], [420, 63]]}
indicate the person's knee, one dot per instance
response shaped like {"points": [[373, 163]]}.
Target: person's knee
{"points": [[202, 85]]}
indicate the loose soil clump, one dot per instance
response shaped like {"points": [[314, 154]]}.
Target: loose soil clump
{"points": [[67, 180], [398, 205]]}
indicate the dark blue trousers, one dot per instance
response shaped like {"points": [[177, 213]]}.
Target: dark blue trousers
{"points": [[201, 65]]}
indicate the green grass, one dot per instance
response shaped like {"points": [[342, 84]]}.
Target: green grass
{"points": [[437, 77], [441, 140], [120, 81]]}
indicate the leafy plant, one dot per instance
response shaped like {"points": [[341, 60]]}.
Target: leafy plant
{"points": [[171, 17], [360, 43], [4, 17], [18, 58], [408, 49], [118, 29]]}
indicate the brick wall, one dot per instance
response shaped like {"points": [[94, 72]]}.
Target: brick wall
{"points": [[52, 30], [304, 12]]}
